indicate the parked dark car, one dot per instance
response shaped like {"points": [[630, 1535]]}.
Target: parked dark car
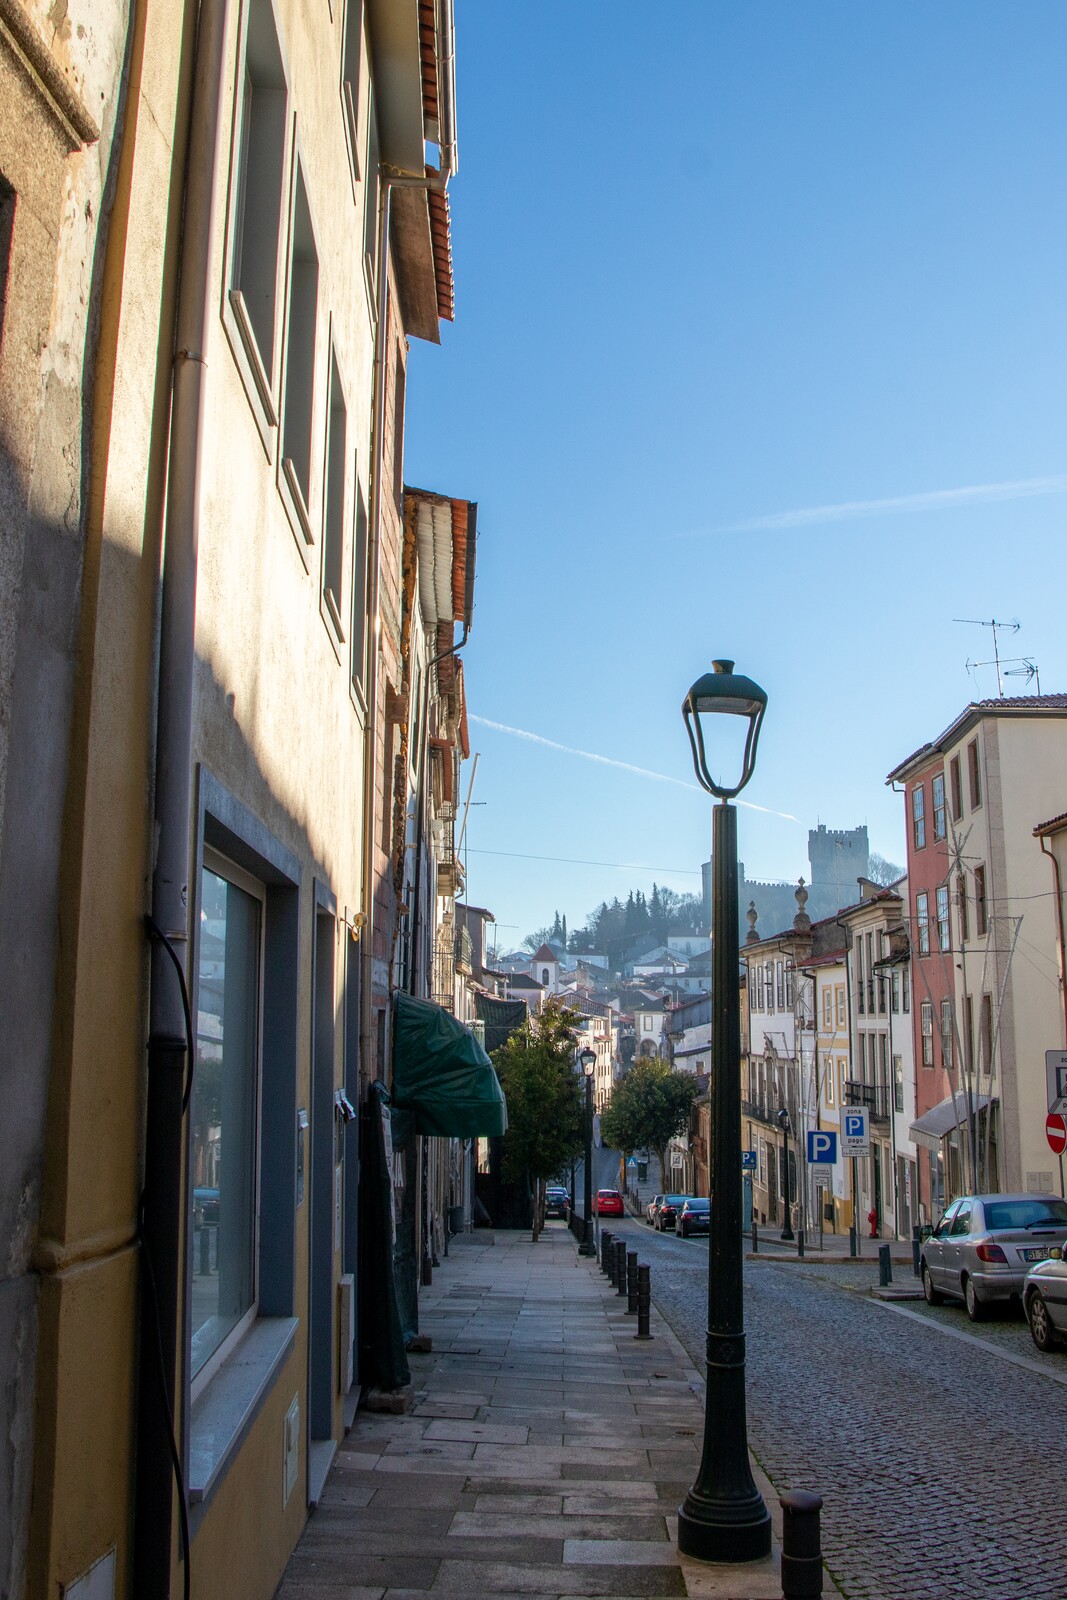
{"points": [[205, 1206], [694, 1217], [556, 1200], [669, 1208], [984, 1245]]}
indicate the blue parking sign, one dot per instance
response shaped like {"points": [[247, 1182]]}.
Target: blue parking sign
{"points": [[748, 1161], [822, 1146], [855, 1137]]}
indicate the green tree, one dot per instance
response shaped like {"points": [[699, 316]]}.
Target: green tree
{"points": [[545, 1109], [648, 1107]]}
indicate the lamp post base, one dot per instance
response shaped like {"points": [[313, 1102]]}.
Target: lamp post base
{"points": [[587, 1247], [728, 1531]]}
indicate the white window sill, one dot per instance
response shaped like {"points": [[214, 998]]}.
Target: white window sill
{"points": [[292, 497], [223, 1413], [249, 363]]}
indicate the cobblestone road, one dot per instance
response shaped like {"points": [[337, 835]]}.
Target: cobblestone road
{"points": [[941, 1459]]}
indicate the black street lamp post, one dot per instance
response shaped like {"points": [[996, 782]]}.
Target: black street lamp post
{"points": [[587, 1059], [723, 1517], [783, 1119]]}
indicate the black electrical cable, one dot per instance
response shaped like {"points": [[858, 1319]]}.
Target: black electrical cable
{"points": [[156, 932], [168, 1408]]}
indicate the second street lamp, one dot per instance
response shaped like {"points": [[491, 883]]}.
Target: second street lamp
{"points": [[723, 1517], [783, 1119], [587, 1058]]}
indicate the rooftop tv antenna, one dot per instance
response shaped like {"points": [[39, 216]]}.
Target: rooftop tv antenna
{"points": [[996, 627]]}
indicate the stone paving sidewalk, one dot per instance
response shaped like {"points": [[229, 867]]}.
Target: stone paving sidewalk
{"points": [[546, 1454]]}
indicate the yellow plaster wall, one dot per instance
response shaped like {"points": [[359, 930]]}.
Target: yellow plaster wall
{"points": [[242, 1543], [85, 1431], [84, 1468]]}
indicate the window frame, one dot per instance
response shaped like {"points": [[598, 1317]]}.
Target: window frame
{"points": [[372, 199], [974, 775], [922, 921], [331, 605], [956, 788], [220, 866], [937, 799], [259, 378], [926, 1031], [918, 816], [981, 907], [985, 1033], [946, 1025], [941, 917], [300, 507], [361, 622], [214, 1424], [350, 90]]}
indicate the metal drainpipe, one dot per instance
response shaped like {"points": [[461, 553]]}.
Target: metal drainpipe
{"points": [[1060, 931], [167, 1054]]}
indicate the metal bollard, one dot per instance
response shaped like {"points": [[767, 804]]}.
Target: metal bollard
{"points": [[755, 1237], [885, 1266], [620, 1266], [852, 1241], [644, 1301], [605, 1251], [916, 1249], [800, 1241], [801, 1549], [631, 1283]]}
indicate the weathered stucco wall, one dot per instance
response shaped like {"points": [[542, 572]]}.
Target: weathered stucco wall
{"points": [[61, 67]]}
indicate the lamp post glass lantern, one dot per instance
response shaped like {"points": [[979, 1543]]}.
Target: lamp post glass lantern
{"points": [[587, 1060], [723, 1517]]}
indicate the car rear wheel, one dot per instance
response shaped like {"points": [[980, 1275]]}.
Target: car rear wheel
{"points": [[684, 1230], [975, 1308], [932, 1296], [1040, 1322]]}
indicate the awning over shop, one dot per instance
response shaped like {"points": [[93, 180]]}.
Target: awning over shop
{"points": [[933, 1126], [442, 1074]]}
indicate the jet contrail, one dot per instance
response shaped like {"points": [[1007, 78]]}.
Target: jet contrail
{"points": [[929, 500], [610, 761]]}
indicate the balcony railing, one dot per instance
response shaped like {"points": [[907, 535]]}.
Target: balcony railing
{"points": [[761, 1111], [875, 1096]]}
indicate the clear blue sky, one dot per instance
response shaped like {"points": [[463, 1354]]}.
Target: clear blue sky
{"points": [[717, 262]]}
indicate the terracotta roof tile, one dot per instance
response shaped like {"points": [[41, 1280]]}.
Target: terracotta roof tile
{"points": [[441, 240]]}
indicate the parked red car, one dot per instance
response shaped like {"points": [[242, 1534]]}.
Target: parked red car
{"points": [[609, 1203]]}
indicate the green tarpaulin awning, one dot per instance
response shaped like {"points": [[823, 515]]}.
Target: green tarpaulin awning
{"points": [[442, 1074]]}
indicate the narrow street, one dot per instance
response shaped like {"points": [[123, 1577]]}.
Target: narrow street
{"points": [[938, 1446]]}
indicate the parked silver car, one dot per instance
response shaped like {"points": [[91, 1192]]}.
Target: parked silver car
{"points": [[1045, 1300], [984, 1245]]}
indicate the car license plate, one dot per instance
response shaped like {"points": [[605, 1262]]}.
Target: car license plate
{"points": [[1035, 1255]]}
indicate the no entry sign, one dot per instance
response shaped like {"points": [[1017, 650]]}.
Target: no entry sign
{"points": [[1056, 1133]]}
